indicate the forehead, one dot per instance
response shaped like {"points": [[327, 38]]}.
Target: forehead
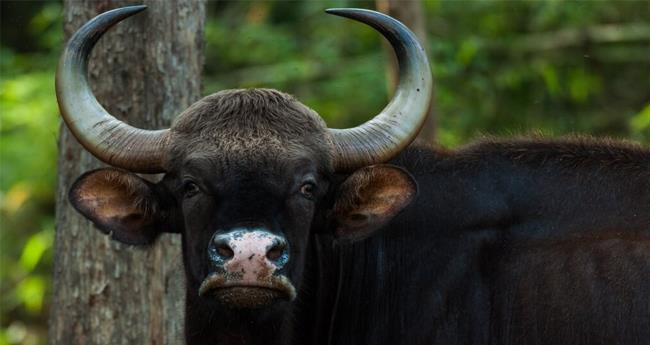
{"points": [[250, 129], [258, 174]]}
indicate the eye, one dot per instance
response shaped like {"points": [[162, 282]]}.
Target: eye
{"points": [[308, 189], [190, 189]]}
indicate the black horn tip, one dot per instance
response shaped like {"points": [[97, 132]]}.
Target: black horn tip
{"points": [[385, 24], [131, 10], [334, 10], [123, 12], [134, 8], [349, 12], [85, 38]]}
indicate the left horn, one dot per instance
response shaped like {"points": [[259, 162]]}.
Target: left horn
{"points": [[383, 137], [106, 137]]}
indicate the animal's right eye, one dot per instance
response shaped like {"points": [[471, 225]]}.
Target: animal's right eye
{"points": [[190, 189]]}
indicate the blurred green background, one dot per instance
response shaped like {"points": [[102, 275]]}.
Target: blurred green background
{"points": [[500, 68]]}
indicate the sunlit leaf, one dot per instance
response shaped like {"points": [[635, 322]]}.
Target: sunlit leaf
{"points": [[34, 249], [4, 339], [31, 291], [551, 79], [467, 52], [641, 121], [582, 84], [16, 197]]}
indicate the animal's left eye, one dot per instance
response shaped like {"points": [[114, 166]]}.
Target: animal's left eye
{"points": [[308, 189]]}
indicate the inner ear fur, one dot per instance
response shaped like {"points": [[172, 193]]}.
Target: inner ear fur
{"points": [[119, 203], [369, 198]]}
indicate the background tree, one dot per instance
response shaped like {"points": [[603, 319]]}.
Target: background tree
{"points": [[145, 71]]}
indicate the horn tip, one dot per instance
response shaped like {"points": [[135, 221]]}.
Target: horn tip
{"points": [[129, 10], [124, 12], [137, 8], [345, 11], [359, 14]]}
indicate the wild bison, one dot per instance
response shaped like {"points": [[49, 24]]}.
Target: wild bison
{"points": [[294, 233]]}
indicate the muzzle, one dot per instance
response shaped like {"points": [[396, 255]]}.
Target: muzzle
{"points": [[247, 266]]}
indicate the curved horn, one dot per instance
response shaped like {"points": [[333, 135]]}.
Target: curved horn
{"points": [[383, 137], [106, 137]]}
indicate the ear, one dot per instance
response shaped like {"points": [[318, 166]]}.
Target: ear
{"points": [[121, 204], [369, 198]]}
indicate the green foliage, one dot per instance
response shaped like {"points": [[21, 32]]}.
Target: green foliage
{"points": [[29, 122], [329, 63], [554, 67], [28, 135], [500, 67]]}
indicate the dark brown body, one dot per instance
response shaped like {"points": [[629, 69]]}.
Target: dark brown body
{"points": [[509, 242], [530, 241]]}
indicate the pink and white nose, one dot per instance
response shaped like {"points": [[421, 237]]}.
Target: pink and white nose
{"points": [[251, 255]]}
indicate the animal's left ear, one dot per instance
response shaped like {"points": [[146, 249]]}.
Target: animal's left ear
{"points": [[369, 198]]}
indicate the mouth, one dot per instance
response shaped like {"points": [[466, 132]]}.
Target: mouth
{"points": [[235, 293]]}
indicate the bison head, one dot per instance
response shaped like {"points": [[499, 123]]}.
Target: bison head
{"points": [[249, 174]]}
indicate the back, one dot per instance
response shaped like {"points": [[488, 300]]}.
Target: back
{"points": [[514, 242]]}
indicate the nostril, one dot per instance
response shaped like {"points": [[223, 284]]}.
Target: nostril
{"points": [[275, 252], [225, 251]]}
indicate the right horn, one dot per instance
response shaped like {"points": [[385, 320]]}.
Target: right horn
{"points": [[106, 137], [384, 136]]}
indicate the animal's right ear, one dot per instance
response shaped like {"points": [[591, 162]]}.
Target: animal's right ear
{"points": [[122, 204]]}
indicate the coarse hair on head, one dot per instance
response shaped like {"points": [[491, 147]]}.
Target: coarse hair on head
{"points": [[249, 124]]}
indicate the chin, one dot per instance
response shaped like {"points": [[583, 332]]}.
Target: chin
{"points": [[233, 292]]}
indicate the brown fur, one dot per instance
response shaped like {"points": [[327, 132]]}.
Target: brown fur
{"points": [[572, 152], [253, 125], [566, 153]]}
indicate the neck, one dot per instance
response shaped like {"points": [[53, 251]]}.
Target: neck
{"points": [[207, 322]]}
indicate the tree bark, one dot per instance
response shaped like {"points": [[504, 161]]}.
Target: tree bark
{"points": [[411, 13], [145, 70]]}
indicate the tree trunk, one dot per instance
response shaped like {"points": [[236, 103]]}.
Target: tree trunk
{"points": [[145, 70], [411, 13]]}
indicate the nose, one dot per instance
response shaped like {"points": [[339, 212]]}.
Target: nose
{"points": [[247, 250]]}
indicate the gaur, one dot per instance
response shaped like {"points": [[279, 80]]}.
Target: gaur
{"points": [[294, 233]]}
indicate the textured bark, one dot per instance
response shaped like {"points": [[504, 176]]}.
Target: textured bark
{"points": [[411, 13], [145, 70]]}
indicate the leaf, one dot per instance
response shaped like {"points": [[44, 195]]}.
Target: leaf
{"points": [[33, 250], [30, 292]]}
